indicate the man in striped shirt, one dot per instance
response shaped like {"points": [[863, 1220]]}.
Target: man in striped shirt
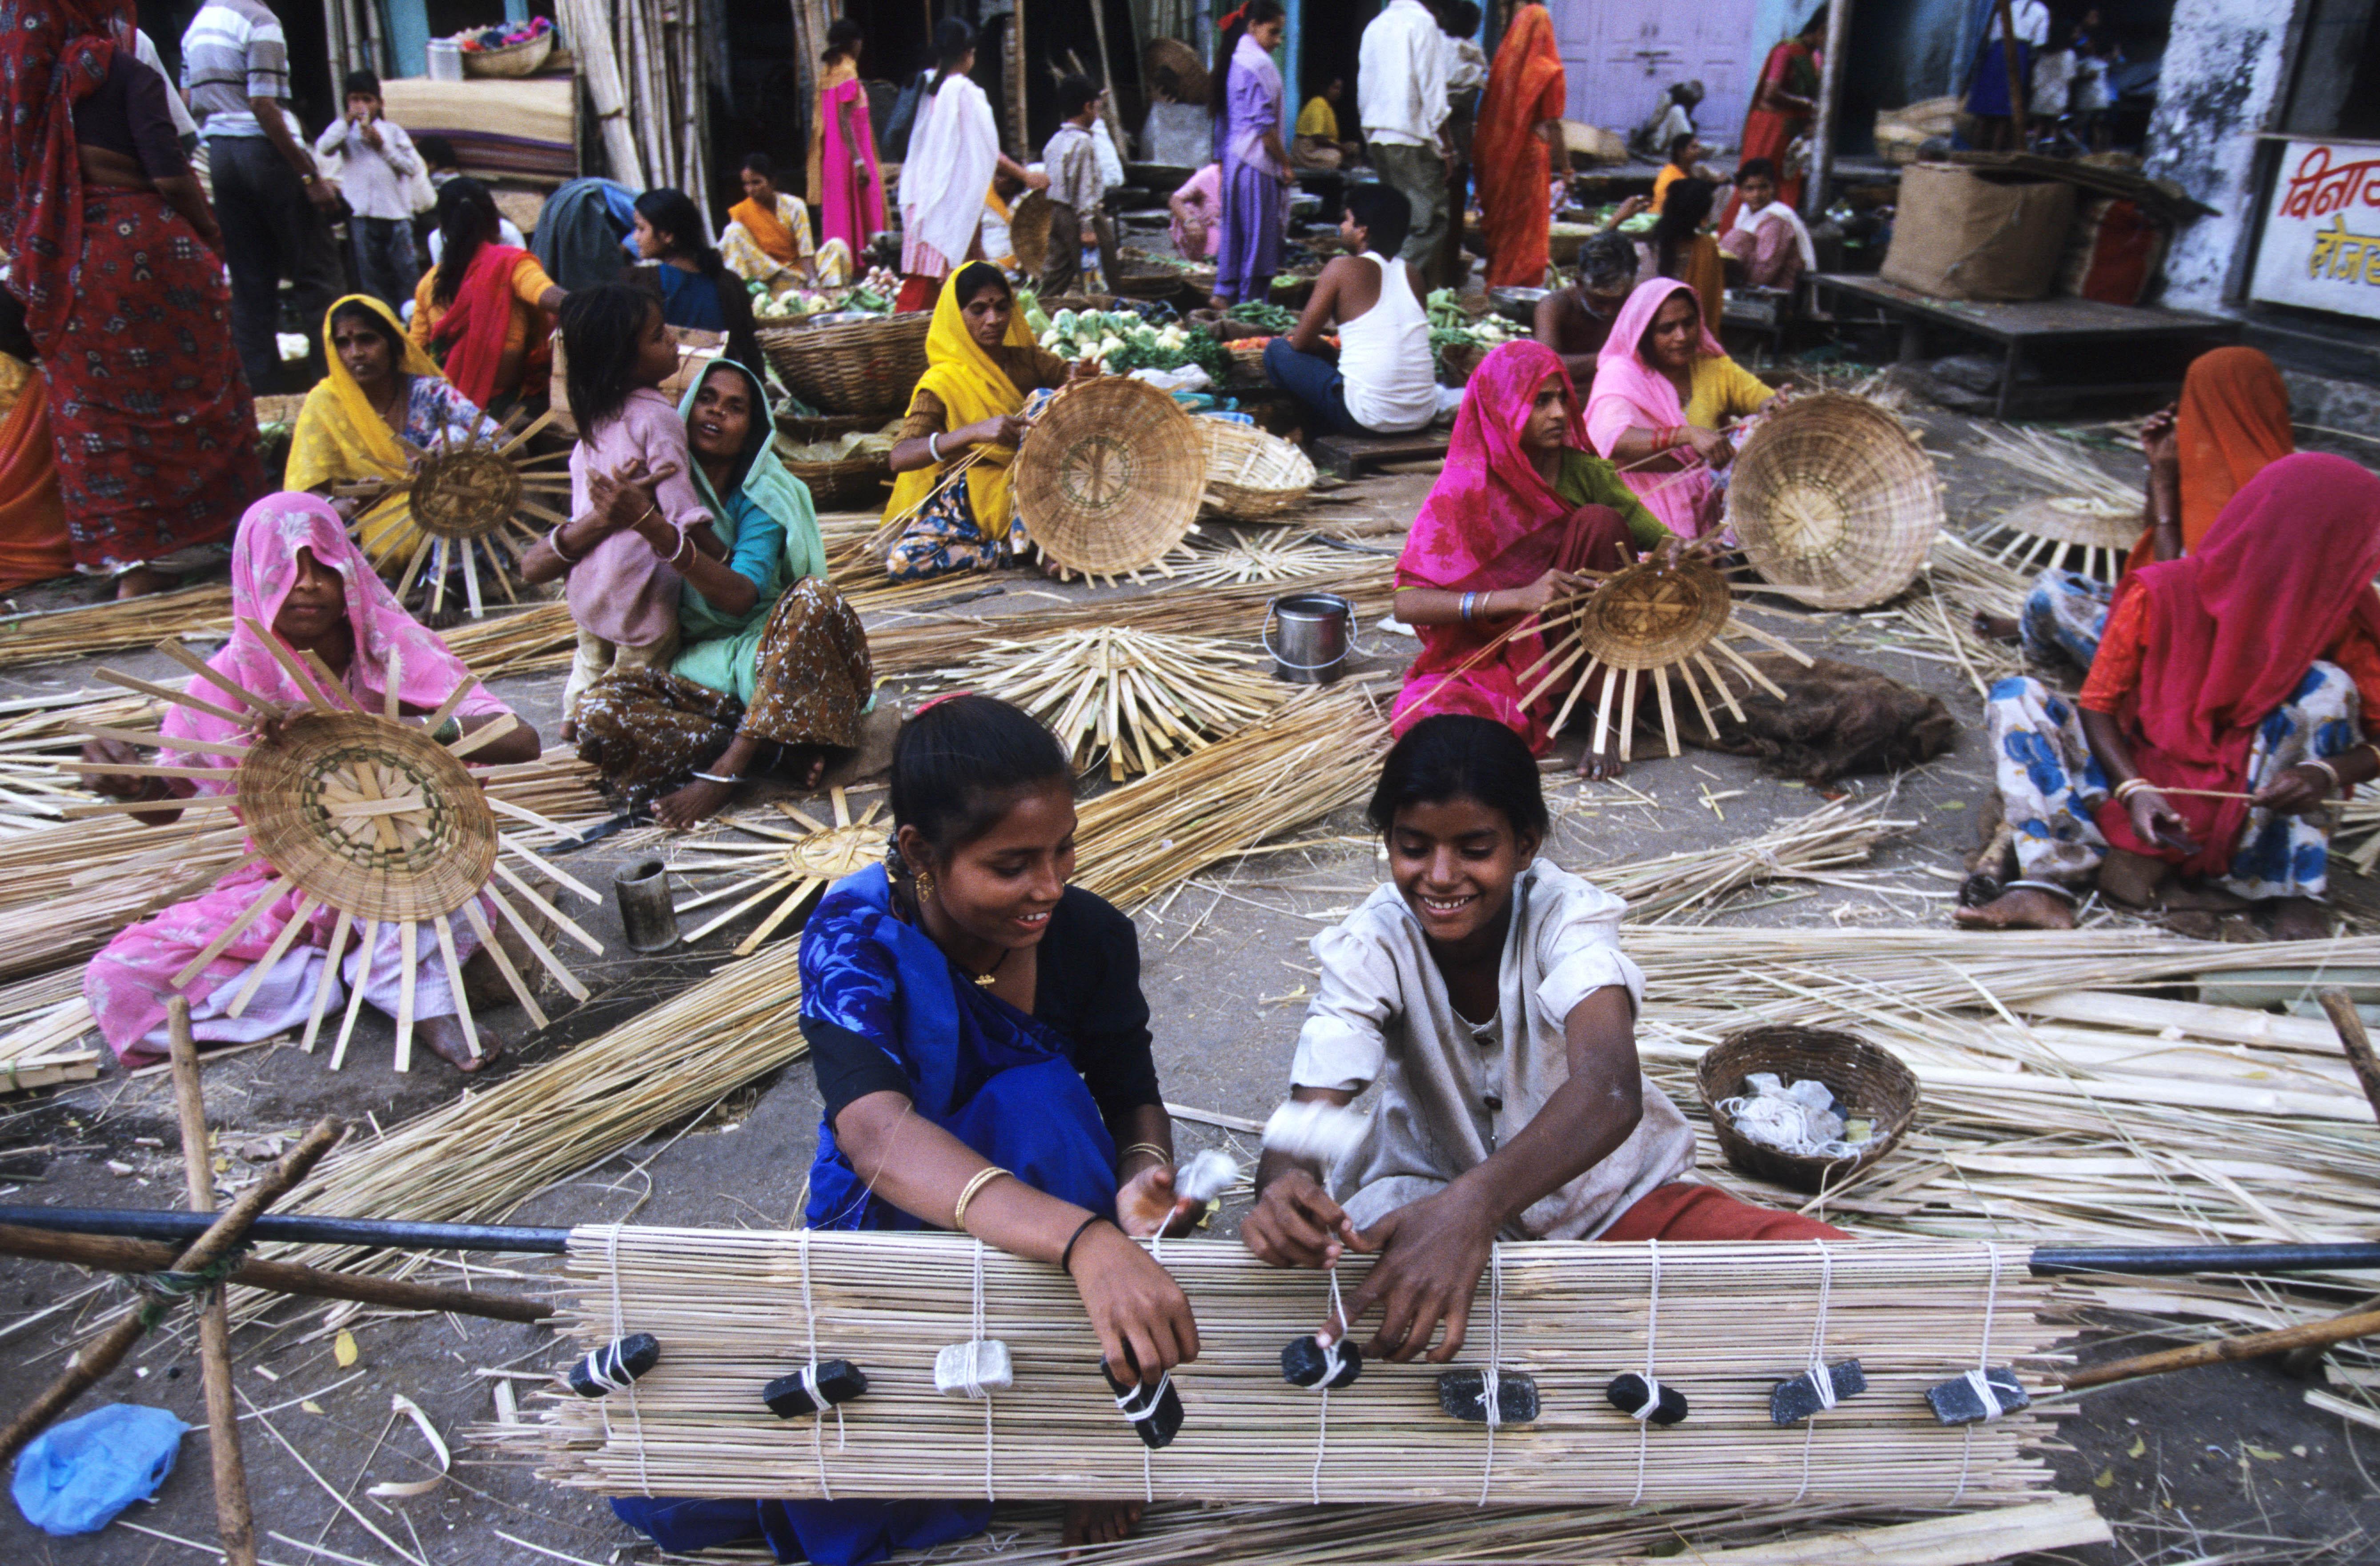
{"points": [[274, 206]]}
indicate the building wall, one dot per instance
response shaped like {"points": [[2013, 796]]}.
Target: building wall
{"points": [[2225, 68]]}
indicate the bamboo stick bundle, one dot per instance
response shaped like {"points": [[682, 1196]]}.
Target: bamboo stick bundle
{"points": [[1267, 556], [735, 1309], [54, 634], [521, 641], [1315, 754], [2057, 467], [49, 1049], [1140, 697], [1837, 834]]}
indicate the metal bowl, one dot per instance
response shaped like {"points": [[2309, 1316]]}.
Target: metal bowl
{"points": [[1517, 304]]}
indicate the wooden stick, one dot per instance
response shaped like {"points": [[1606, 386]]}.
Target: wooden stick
{"points": [[2353, 1039], [234, 1524], [406, 942], [220, 1238], [2250, 1345]]}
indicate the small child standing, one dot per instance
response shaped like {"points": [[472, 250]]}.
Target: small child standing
{"points": [[1072, 161], [635, 515], [378, 161]]}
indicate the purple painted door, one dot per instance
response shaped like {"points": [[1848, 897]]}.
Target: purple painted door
{"points": [[1622, 55]]}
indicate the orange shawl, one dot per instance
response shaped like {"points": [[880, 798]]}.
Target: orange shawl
{"points": [[2234, 422], [768, 230], [1526, 86], [32, 518]]}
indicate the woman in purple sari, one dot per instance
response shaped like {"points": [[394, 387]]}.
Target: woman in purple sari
{"points": [[1247, 98]]}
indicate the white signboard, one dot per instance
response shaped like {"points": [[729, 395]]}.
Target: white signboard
{"points": [[2321, 246]]}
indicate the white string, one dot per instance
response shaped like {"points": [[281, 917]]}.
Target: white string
{"points": [[607, 1368], [1490, 1392], [809, 1377], [1821, 1378], [976, 1388], [619, 1328], [1652, 1387], [1331, 1360], [1979, 1377]]}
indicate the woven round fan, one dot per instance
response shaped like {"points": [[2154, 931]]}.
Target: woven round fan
{"points": [[1175, 70], [795, 865], [2066, 530], [1832, 499], [1643, 625], [363, 813], [480, 503], [1029, 232], [1108, 478]]}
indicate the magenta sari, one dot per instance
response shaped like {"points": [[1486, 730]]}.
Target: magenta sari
{"points": [[847, 201]]}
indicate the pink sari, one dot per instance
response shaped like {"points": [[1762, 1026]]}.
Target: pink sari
{"points": [[1629, 393], [850, 204], [127, 983], [1492, 522]]}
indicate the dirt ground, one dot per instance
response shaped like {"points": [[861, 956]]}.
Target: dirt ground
{"points": [[2218, 1465]]}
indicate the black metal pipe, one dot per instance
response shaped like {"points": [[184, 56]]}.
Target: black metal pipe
{"points": [[2158, 1260], [142, 1224]]}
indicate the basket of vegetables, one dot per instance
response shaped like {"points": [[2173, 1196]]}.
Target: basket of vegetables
{"points": [[1123, 341], [1458, 339], [844, 468], [863, 366]]}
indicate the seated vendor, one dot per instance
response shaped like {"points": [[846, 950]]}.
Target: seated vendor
{"points": [[1484, 990], [2224, 709], [1768, 246], [768, 677], [981, 364], [768, 235], [1677, 246], [485, 311], [1380, 380], [295, 570], [1576, 321], [1663, 389], [698, 290], [982, 1047]]}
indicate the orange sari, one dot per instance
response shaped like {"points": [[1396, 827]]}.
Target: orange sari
{"points": [[768, 230], [1526, 86], [2233, 423], [32, 518]]}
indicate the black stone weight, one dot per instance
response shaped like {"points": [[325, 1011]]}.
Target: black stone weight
{"points": [[1463, 1394], [838, 1381], [1794, 1400], [1306, 1363], [1627, 1395], [1155, 1412], [1958, 1402], [616, 1365]]}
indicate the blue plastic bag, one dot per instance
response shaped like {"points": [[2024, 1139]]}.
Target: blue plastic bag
{"points": [[75, 1477]]}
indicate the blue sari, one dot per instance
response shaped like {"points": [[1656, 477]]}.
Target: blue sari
{"points": [[999, 1081]]}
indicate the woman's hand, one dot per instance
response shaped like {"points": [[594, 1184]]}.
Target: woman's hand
{"points": [[1546, 589], [1432, 1253], [1140, 1314], [1148, 1205], [1001, 429], [2298, 791], [1628, 209], [2154, 820], [2158, 439], [1036, 180], [266, 721], [1083, 368], [1674, 552], [1296, 1224], [619, 501], [1712, 446]]}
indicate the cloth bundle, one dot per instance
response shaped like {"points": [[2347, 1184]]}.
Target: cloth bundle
{"points": [[1799, 1117]]}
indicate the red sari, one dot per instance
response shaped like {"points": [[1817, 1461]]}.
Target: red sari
{"points": [[1492, 522], [1526, 87], [471, 333], [155, 433], [1794, 65]]}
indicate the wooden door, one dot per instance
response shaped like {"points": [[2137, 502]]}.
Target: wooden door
{"points": [[1622, 55]]}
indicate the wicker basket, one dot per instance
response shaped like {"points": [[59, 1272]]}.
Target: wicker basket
{"points": [[854, 483], [1250, 475], [853, 366], [1109, 479], [1863, 1078], [432, 860], [1028, 233], [525, 58], [1651, 615], [1832, 498], [1175, 70], [2071, 521]]}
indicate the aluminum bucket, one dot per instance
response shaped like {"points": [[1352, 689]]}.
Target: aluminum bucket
{"points": [[1317, 638]]}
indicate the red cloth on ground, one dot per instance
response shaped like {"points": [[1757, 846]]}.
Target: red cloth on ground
{"points": [[2231, 629], [1681, 1210], [472, 330]]}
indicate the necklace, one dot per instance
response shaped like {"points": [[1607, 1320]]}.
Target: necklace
{"points": [[985, 978]]}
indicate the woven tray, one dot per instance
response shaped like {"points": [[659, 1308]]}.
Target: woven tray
{"points": [[2070, 521], [1109, 479], [853, 366], [1250, 475], [1028, 233], [1832, 497], [1651, 615], [1862, 1076], [525, 58]]}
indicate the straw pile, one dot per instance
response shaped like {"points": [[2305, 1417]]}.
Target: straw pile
{"points": [[735, 1309], [53, 635], [1139, 698], [1809, 848], [1273, 556]]}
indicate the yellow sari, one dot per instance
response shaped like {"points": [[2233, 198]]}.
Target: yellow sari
{"points": [[340, 438], [972, 386]]}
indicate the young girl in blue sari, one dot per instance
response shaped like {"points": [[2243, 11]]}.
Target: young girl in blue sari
{"points": [[982, 1047]]}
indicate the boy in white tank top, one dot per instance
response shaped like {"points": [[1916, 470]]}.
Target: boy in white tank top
{"points": [[1379, 381]]}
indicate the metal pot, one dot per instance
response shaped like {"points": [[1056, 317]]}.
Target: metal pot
{"points": [[1317, 638]]}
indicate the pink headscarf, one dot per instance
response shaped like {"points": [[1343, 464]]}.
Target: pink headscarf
{"points": [[1630, 392], [1489, 497], [263, 569]]}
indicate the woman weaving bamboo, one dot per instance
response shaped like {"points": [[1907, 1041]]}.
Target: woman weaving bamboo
{"points": [[981, 1044], [966, 419], [2224, 709], [1663, 386], [769, 677], [1484, 990], [295, 570]]}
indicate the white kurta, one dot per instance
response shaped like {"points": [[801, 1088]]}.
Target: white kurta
{"points": [[1451, 1094], [954, 152]]}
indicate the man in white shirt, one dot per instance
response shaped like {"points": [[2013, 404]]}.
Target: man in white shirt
{"points": [[378, 164], [1401, 93]]}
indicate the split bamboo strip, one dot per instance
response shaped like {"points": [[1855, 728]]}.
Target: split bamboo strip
{"points": [[1269, 556], [1805, 848], [735, 1309], [60, 634], [2057, 467], [49, 1048], [1140, 697]]}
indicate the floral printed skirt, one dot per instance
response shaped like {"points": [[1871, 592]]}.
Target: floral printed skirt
{"points": [[2064, 616]]}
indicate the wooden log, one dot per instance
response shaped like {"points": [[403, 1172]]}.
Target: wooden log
{"points": [[2354, 1040], [220, 1238], [235, 1526], [2250, 1345]]}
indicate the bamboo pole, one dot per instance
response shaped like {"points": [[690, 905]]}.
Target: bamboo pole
{"points": [[234, 1524], [2250, 1345], [2340, 1006]]}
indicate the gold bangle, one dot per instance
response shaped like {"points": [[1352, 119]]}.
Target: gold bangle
{"points": [[983, 1177], [1163, 1155]]}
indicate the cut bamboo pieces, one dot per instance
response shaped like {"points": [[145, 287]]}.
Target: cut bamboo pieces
{"points": [[1271, 555], [789, 867], [1727, 1322], [1140, 698]]}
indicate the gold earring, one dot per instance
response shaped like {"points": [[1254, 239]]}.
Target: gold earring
{"points": [[925, 882]]}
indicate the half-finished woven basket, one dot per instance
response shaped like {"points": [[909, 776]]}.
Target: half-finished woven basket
{"points": [[1651, 614], [1252, 475], [1832, 498], [1109, 479]]}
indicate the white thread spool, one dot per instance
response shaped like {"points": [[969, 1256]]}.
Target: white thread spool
{"points": [[1318, 1130]]}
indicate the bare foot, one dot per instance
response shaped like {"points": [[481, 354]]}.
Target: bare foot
{"points": [[697, 802], [1995, 627], [805, 764], [2131, 878], [2024, 907], [1602, 766], [444, 1035], [2299, 918], [142, 581], [1099, 1522]]}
